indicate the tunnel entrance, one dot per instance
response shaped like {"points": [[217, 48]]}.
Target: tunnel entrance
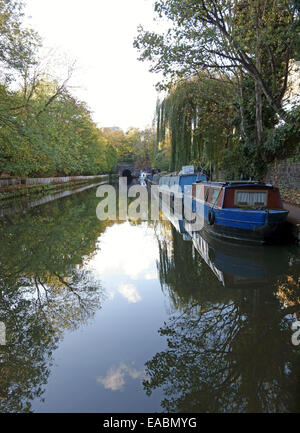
{"points": [[126, 173]]}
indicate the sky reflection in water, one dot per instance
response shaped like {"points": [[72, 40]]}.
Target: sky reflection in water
{"points": [[128, 317]]}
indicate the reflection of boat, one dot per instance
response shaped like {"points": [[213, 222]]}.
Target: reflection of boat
{"points": [[234, 265], [240, 266], [245, 211], [179, 224]]}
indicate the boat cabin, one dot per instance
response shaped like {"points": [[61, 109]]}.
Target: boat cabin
{"points": [[182, 180], [242, 195]]}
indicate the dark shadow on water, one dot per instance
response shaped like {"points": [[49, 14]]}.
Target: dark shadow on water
{"points": [[229, 336]]}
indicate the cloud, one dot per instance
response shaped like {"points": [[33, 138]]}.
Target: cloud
{"points": [[129, 292], [152, 275], [115, 377], [126, 250], [110, 295]]}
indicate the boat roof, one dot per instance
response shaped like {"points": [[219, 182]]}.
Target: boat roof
{"points": [[235, 183], [179, 174]]}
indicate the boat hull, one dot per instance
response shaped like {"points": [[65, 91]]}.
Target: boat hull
{"points": [[260, 235], [251, 226]]}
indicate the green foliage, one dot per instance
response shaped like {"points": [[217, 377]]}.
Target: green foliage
{"points": [[17, 45], [161, 160], [135, 146], [230, 36], [197, 115], [226, 68], [144, 148], [58, 138], [297, 31], [44, 130]]}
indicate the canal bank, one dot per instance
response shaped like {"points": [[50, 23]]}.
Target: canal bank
{"points": [[15, 206], [16, 187], [293, 219]]}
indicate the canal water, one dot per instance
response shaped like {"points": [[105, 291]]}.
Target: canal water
{"points": [[130, 316]]}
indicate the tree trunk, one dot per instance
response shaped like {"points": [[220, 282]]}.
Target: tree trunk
{"points": [[258, 90], [241, 104], [258, 103]]}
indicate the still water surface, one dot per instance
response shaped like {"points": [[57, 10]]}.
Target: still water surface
{"points": [[142, 317]]}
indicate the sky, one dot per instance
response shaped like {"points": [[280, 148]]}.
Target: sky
{"points": [[99, 35]]}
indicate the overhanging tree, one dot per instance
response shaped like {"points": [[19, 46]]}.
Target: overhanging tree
{"points": [[233, 36]]}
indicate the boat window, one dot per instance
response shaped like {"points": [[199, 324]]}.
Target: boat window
{"points": [[215, 195], [251, 199], [207, 194]]}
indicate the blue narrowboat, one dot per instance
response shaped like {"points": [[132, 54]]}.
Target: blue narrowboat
{"points": [[237, 210], [180, 183]]}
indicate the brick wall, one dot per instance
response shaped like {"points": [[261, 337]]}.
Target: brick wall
{"points": [[284, 174]]}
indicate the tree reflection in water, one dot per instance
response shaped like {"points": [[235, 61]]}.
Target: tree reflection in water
{"points": [[229, 348], [44, 290]]}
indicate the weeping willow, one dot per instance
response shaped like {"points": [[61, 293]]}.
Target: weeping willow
{"points": [[197, 117]]}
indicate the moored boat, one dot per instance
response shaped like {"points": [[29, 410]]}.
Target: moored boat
{"points": [[237, 210], [178, 184], [153, 179]]}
